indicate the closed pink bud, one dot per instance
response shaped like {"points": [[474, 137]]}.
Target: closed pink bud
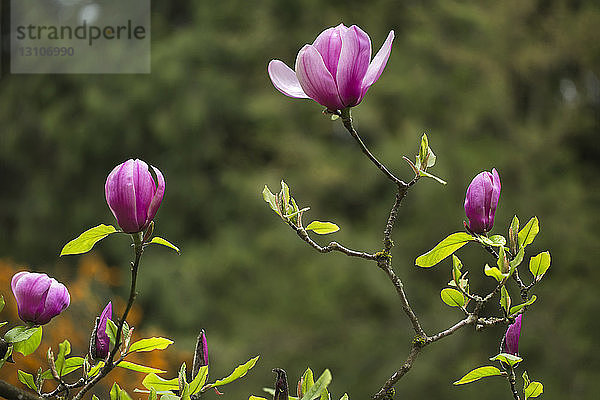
{"points": [[481, 201], [39, 297], [133, 196]]}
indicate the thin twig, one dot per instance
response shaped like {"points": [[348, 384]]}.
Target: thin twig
{"points": [[346, 117]]}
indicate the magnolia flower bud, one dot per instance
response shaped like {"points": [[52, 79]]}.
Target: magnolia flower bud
{"points": [[133, 196], [39, 297], [100, 342], [481, 201], [335, 71], [511, 338]]}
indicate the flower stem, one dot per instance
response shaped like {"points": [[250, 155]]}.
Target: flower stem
{"points": [[346, 117]]}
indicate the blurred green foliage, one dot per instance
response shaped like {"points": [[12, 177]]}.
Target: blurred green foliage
{"points": [[513, 85]]}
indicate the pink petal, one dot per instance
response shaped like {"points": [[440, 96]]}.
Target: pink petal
{"points": [[158, 195], [329, 44], [120, 196], [352, 67], [285, 80], [315, 78], [144, 191], [378, 64], [57, 299]]}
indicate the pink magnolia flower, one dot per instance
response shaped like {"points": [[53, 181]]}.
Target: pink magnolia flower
{"points": [[481, 201], [39, 297], [133, 196], [336, 70]]}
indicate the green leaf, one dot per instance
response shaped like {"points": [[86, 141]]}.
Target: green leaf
{"points": [[199, 380], [456, 267], [427, 174], [322, 228], [237, 373], [256, 398], [452, 297], [29, 345], [502, 263], [19, 334], [6, 356], [539, 264], [111, 331], [166, 243], [498, 240], [139, 368], [517, 260], [507, 358], [344, 397], [94, 397], [116, 393], [443, 249], [307, 380], [153, 395], [477, 374], [517, 308], [71, 364], [64, 349], [493, 272], [284, 195], [94, 370], [169, 397], [185, 393], [319, 386], [504, 299], [153, 343], [153, 381], [1, 302], [529, 232], [26, 379], [84, 242], [423, 151], [271, 199], [534, 389]]}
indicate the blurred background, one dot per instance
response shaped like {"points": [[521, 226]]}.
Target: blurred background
{"points": [[513, 85]]}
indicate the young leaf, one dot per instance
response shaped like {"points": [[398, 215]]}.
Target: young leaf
{"points": [[517, 308], [1, 302], [29, 345], [427, 174], [452, 297], [94, 370], [534, 389], [344, 397], [319, 386], [477, 374], [539, 264], [26, 379], [493, 272], [284, 195], [199, 380], [271, 200], [19, 334], [529, 232], [498, 240], [94, 397], [307, 380], [116, 393], [159, 384], [237, 373], [443, 249], [456, 267], [502, 263], [504, 299], [166, 243], [152, 395], [153, 343], [526, 380], [71, 364], [322, 228], [84, 242], [517, 260], [256, 398], [139, 368], [111, 331], [64, 349], [507, 358]]}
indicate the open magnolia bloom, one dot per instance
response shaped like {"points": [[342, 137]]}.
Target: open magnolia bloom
{"points": [[335, 71]]}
